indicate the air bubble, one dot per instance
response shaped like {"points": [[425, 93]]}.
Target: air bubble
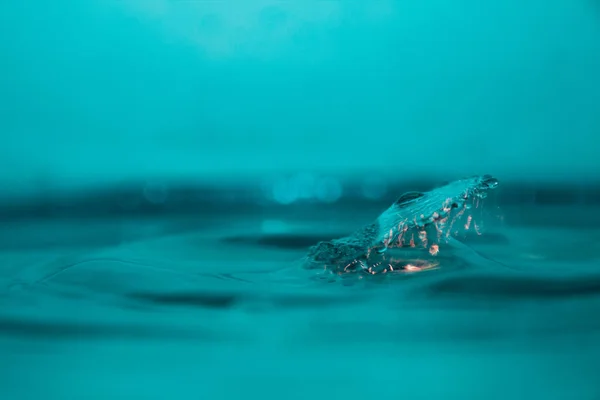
{"points": [[490, 182]]}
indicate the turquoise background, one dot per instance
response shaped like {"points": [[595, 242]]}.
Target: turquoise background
{"points": [[107, 92], [95, 92]]}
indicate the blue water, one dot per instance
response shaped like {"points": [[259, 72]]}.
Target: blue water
{"points": [[165, 164], [201, 304]]}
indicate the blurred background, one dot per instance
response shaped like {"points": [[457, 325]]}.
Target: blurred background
{"points": [[101, 93]]}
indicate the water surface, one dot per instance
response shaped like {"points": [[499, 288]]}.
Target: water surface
{"points": [[214, 305]]}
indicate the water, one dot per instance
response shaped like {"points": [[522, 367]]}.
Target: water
{"points": [[209, 303], [115, 282]]}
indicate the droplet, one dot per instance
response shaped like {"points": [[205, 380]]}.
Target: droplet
{"points": [[408, 198], [489, 181]]}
